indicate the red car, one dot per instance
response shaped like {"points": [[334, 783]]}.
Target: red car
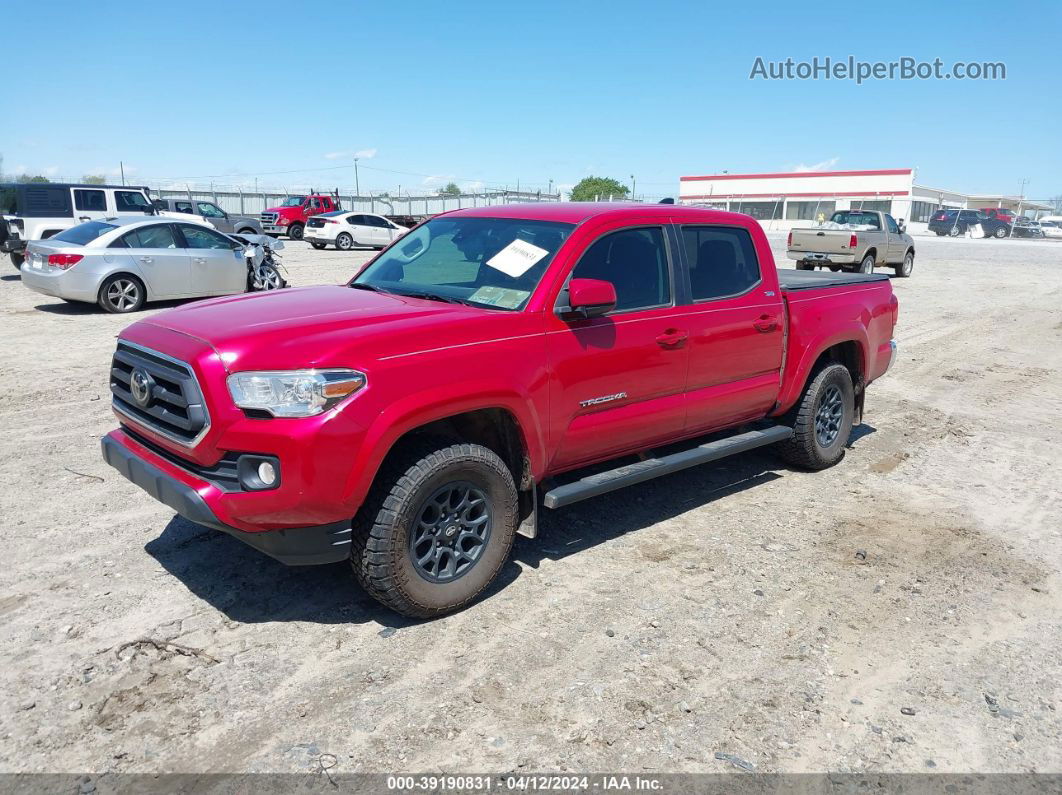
{"points": [[1006, 216], [290, 216], [413, 420]]}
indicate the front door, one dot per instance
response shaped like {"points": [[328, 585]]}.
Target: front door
{"points": [[381, 230], [736, 329], [618, 380], [217, 263], [214, 215], [897, 248]]}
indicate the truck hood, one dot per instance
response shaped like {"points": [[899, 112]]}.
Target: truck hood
{"points": [[333, 326]]}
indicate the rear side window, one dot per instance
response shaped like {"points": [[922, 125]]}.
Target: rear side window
{"points": [[90, 200], [44, 201], [128, 201], [83, 233], [160, 236], [722, 261], [356, 220], [635, 261]]}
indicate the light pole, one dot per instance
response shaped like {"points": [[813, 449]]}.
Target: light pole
{"points": [[632, 187], [357, 185]]}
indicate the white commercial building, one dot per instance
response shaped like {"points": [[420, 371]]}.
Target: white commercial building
{"points": [[792, 199]]}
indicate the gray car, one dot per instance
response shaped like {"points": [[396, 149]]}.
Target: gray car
{"points": [[122, 263], [211, 214]]}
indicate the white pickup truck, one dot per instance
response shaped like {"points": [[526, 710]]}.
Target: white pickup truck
{"points": [[859, 240]]}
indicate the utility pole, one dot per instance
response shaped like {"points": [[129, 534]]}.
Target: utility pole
{"points": [[632, 187], [121, 167], [357, 185], [1021, 201]]}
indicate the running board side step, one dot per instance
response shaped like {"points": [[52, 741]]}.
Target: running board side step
{"points": [[641, 471]]}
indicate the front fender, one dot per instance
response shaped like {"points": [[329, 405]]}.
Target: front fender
{"points": [[438, 403]]}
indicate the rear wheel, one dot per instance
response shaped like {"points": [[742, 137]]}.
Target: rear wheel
{"points": [[436, 529], [317, 245], [903, 270], [954, 232], [805, 266], [867, 265], [121, 293], [295, 231], [344, 242], [17, 259], [822, 420]]}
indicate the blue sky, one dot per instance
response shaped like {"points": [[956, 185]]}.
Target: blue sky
{"points": [[496, 93]]}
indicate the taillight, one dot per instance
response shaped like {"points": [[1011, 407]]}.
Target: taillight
{"points": [[329, 221], [789, 240], [853, 241], [64, 261]]}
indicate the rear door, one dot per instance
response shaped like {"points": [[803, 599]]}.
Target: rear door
{"points": [[736, 329], [217, 263], [154, 252], [617, 381], [90, 204]]}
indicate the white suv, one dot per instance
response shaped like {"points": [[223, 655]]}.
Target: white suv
{"points": [[345, 230], [36, 211]]}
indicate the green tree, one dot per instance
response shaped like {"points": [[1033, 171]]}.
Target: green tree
{"points": [[94, 179], [451, 189], [28, 178], [591, 188]]}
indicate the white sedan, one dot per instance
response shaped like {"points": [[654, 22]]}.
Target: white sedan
{"points": [[1052, 229], [345, 230]]}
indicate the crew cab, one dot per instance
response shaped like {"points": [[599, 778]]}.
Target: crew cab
{"points": [[290, 216], [415, 419], [37, 211], [854, 240]]}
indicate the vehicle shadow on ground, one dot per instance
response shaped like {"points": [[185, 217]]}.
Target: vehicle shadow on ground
{"points": [[249, 587], [85, 308], [13, 277]]}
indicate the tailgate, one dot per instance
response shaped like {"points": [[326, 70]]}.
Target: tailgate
{"points": [[821, 241]]}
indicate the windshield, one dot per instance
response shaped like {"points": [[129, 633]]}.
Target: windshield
{"points": [[292, 201], [83, 233], [489, 262]]}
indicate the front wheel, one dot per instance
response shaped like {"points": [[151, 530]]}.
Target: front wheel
{"points": [[264, 277], [344, 242], [822, 420], [295, 231], [903, 270], [436, 529]]}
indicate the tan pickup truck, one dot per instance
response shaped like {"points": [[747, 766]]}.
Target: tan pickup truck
{"points": [[858, 240]]}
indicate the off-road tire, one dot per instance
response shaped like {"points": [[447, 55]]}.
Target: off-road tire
{"points": [[317, 245], [803, 450], [903, 270], [380, 552], [295, 231]]}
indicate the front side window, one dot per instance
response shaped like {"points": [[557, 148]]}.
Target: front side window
{"points": [[722, 261], [128, 201], [490, 262], [201, 237], [90, 200], [890, 222], [183, 207], [210, 210], [159, 236], [635, 262]]}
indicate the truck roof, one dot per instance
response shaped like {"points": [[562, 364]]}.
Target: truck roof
{"points": [[577, 212]]}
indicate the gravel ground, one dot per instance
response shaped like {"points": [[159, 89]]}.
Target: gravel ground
{"points": [[900, 612]]}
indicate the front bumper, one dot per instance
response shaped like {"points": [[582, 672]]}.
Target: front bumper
{"points": [[274, 229], [302, 546]]}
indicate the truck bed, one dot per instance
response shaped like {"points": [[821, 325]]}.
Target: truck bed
{"points": [[791, 280]]}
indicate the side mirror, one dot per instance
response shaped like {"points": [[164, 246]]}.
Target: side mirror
{"points": [[590, 298], [902, 226]]}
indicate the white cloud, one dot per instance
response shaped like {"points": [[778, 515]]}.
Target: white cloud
{"points": [[475, 186], [51, 171], [823, 166], [438, 179], [362, 154]]}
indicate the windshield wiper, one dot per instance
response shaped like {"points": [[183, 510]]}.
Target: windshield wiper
{"points": [[427, 296], [372, 287]]}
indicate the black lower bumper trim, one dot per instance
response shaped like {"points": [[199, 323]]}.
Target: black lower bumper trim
{"points": [[299, 546]]}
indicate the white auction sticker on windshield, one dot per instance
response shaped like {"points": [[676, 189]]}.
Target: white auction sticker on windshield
{"points": [[516, 258]]}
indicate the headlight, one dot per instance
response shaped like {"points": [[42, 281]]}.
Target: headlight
{"points": [[296, 393]]}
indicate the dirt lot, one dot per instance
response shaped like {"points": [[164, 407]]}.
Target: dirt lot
{"points": [[791, 620]]}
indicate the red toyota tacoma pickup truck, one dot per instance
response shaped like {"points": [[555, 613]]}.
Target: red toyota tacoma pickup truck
{"points": [[414, 420]]}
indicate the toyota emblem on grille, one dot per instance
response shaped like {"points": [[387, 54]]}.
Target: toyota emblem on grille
{"points": [[140, 385]]}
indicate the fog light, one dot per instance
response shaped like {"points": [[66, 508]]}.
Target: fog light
{"points": [[267, 473]]}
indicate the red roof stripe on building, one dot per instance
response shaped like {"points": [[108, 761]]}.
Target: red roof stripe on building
{"points": [[864, 193], [879, 173]]}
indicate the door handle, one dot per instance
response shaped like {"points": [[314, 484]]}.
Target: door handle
{"points": [[199, 260], [766, 323], [147, 260], [84, 218], [672, 338]]}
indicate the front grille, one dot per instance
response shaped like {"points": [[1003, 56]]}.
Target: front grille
{"points": [[269, 218], [224, 474], [175, 407]]}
